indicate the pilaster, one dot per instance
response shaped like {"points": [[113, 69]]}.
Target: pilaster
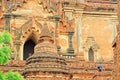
{"points": [[56, 30], [78, 19], [70, 49], [68, 12], [17, 44], [7, 17]]}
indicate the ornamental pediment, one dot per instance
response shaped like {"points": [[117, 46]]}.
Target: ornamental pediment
{"points": [[90, 43]]}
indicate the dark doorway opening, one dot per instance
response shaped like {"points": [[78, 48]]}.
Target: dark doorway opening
{"points": [[28, 49], [91, 54]]}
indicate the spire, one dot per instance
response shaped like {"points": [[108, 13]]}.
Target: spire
{"points": [[45, 32], [45, 35]]}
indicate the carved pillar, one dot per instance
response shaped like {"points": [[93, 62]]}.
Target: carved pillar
{"points": [[56, 18], [70, 49], [7, 17], [78, 19], [17, 44], [79, 33]]}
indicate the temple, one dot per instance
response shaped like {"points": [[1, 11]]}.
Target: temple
{"points": [[62, 39], [116, 46]]}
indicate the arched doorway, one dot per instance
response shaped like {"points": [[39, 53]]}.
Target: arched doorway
{"points": [[91, 54], [28, 49]]}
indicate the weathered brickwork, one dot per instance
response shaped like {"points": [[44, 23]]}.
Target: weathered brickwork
{"points": [[82, 34], [116, 46]]}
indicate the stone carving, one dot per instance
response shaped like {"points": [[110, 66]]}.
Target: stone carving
{"points": [[91, 43]]}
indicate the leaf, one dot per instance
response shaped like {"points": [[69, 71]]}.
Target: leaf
{"points": [[1, 38], [2, 76], [5, 59], [1, 57], [13, 76], [6, 36], [4, 54], [6, 50]]}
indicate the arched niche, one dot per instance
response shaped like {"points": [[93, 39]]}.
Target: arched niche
{"points": [[28, 49], [91, 49], [91, 54]]}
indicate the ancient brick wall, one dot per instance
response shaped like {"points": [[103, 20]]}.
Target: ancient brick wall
{"points": [[116, 48], [99, 26]]}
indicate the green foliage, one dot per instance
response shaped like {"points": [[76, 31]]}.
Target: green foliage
{"points": [[2, 76], [5, 56], [2, 55], [5, 50], [6, 36], [1, 38], [13, 76]]}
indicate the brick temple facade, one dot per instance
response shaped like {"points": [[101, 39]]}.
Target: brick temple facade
{"points": [[116, 46], [62, 39]]}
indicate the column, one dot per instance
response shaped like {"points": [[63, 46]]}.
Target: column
{"points": [[79, 33], [57, 18], [18, 45], [7, 17], [70, 49], [78, 19], [57, 35], [7, 14]]}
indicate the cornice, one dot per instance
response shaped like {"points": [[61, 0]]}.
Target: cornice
{"points": [[99, 13], [111, 15]]}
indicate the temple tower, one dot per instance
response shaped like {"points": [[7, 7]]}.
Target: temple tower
{"points": [[45, 63]]}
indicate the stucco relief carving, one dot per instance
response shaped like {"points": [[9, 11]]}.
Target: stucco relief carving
{"points": [[66, 24], [90, 43], [63, 42], [31, 28]]}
